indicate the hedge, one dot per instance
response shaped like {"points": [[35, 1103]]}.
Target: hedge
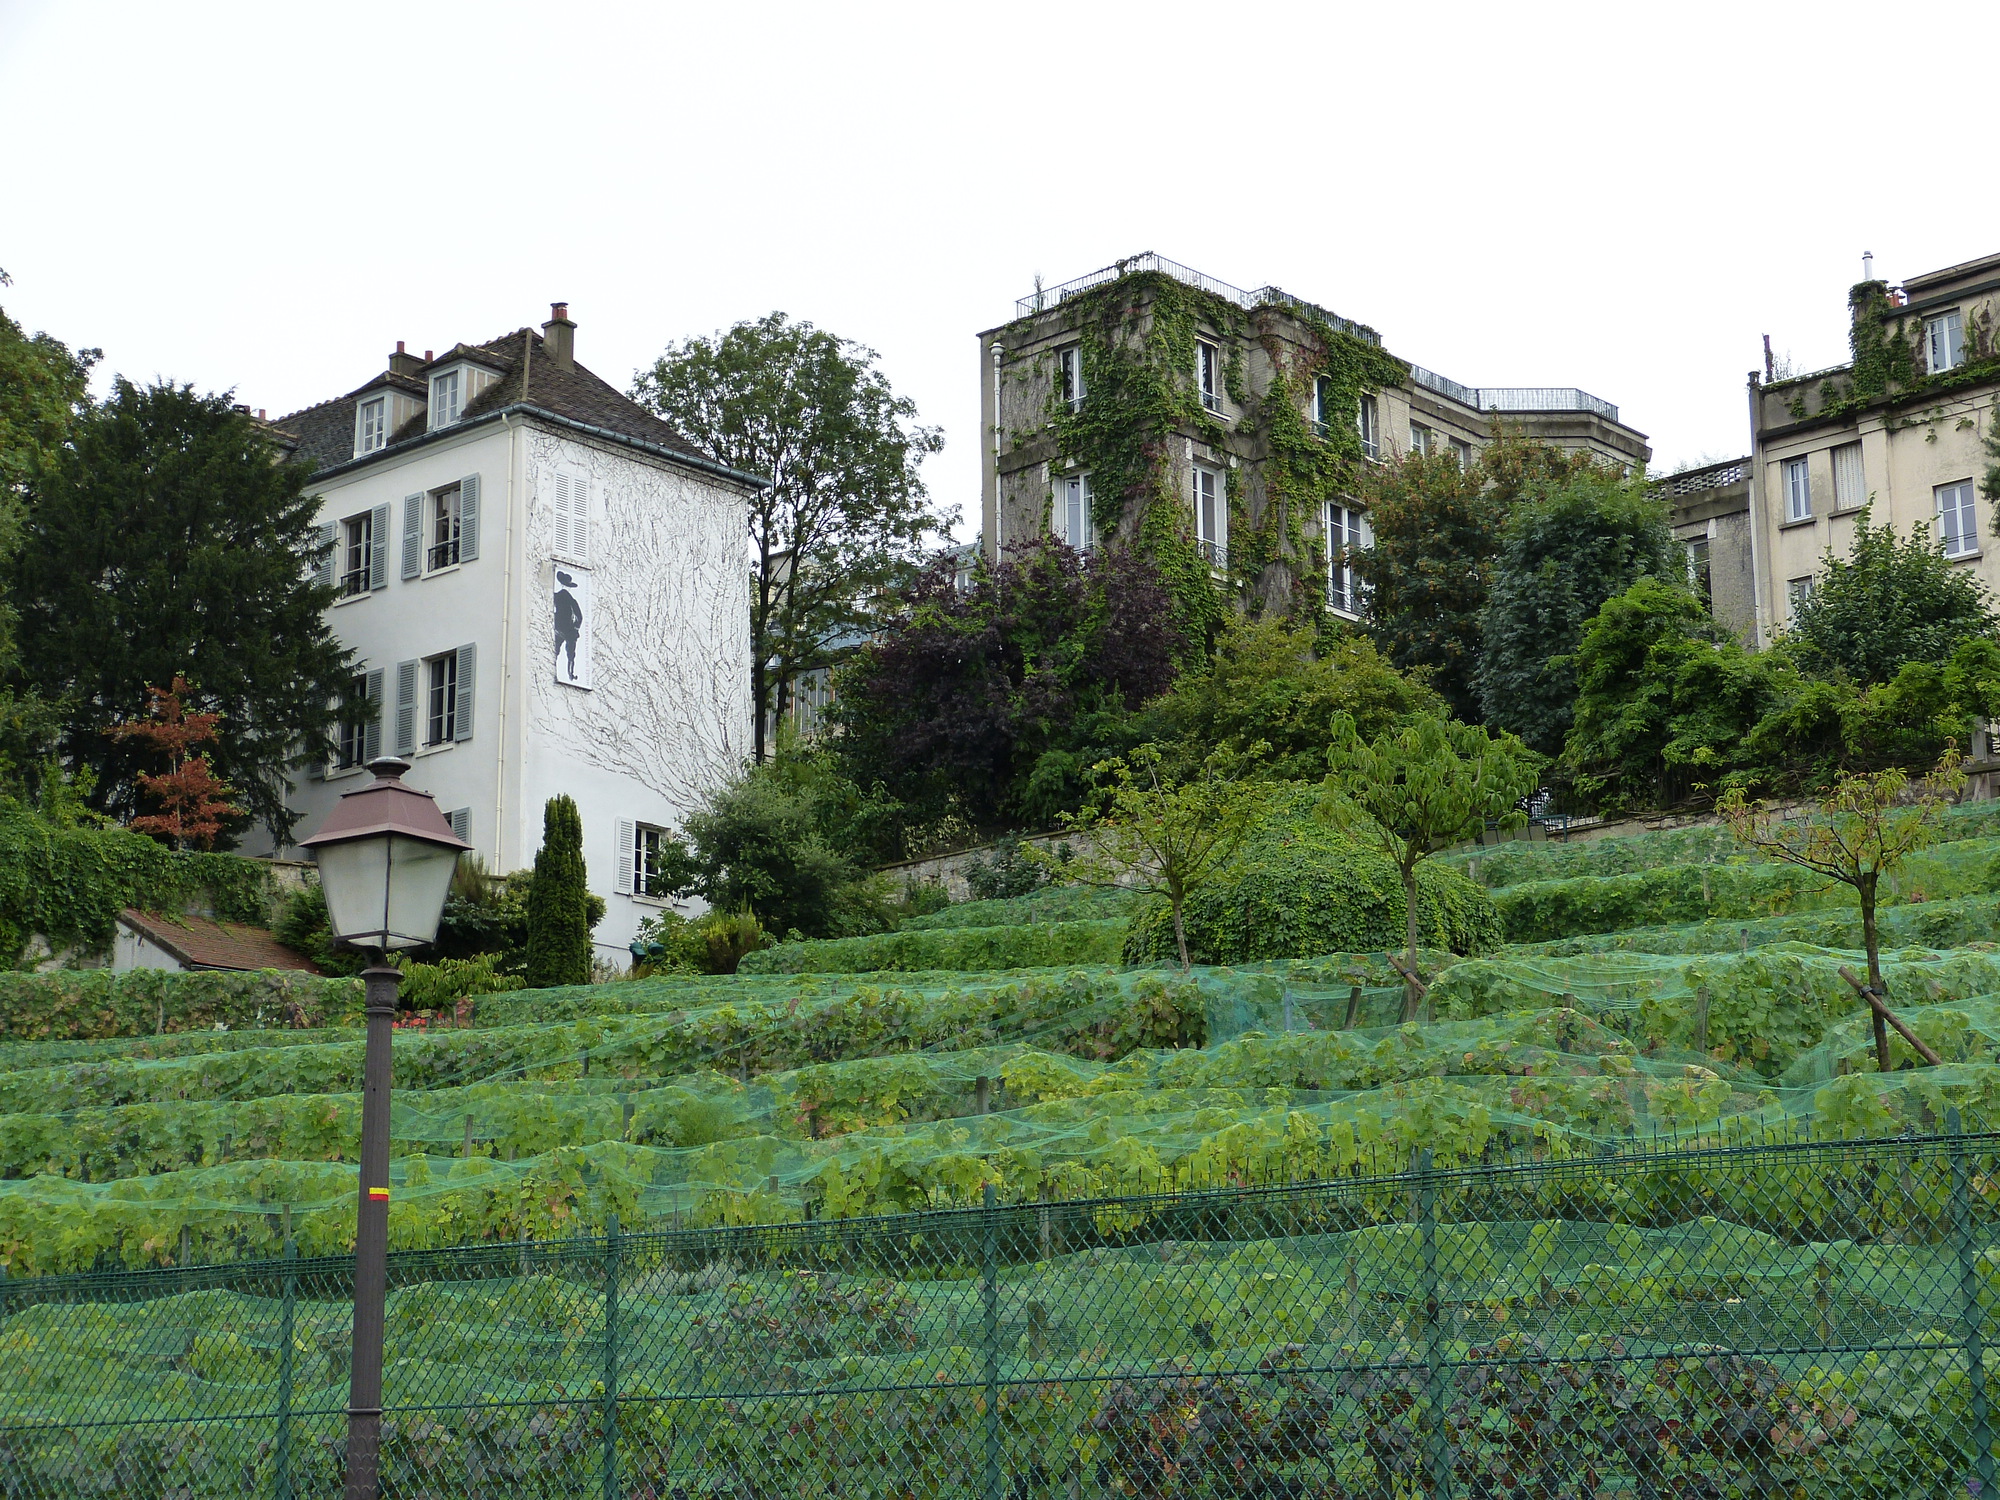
{"points": [[1062, 903], [75, 1004], [957, 948]]}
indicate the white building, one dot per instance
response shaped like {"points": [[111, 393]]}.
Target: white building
{"points": [[545, 590]]}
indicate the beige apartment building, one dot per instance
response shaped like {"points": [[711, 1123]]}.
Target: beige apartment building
{"points": [[1223, 462], [1901, 430]]}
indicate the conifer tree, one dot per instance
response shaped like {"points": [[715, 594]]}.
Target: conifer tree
{"points": [[559, 902]]}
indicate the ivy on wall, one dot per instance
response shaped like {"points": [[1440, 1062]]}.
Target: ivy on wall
{"points": [[1137, 339], [1888, 364]]}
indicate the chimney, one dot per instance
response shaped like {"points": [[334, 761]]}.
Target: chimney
{"points": [[402, 362], [1867, 265], [427, 356], [559, 337]]}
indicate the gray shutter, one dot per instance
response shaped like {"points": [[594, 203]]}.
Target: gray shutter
{"points": [[406, 707], [627, 847], [413, 536], [460, 819], [467, 670], [316, 767], [468, 518], [378, 554], [324, 575], [371, 734]]}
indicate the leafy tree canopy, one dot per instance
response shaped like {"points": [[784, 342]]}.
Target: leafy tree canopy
{"points": [[846, 516], [44, 385], [169, 538], [1889, 602], [1580, 534]]}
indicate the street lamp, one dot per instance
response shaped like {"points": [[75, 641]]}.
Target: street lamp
{"points": [[386, 857]]}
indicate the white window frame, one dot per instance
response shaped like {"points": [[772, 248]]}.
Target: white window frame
{"points": [[1797, 476], [371, 426], [1368, 421], [1850, 477], [447, 398], [1346, 529], [350, 741], [1208, 374], [1944, 341], [1420, 438], [1957, 512], [1069, 518], [440, 679], [1211, 532], [357, 539], [645, 851], [1462, 451], [443, 526], [1798, 592], [1069, 376]]}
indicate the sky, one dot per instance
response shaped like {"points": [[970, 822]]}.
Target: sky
{"points": [[266, 197]]}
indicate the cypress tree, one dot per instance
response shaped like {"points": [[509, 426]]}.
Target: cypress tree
{"points": [[558, 902]]}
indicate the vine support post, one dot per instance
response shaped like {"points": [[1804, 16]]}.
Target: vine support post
{"points": [[989, 1293], [1436, 1456], [1971, 1333], [612, 1246], [281, 1442]]}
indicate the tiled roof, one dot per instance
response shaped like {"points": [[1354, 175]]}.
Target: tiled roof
{"points": [[204, 943], [528, 375]]}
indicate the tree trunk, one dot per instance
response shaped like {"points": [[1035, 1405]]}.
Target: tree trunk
{"points": [[1180, 932], [757, 689], [1410, 933], [1865, 889]]}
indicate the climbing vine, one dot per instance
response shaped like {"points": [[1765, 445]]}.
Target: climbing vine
{"points": [[1886, 342], [1137, 339]]}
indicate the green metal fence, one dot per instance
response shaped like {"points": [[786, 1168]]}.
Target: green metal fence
{"points": [[1760, 1320]]}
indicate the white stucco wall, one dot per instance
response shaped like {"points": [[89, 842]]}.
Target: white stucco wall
{"points": [[134, 950]]}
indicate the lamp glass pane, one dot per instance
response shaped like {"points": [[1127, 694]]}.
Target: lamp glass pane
{"points": [[355, 876], [419, 879]]}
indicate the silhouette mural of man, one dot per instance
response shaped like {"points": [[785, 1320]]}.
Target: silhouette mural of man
{"points": [[569, 622]]}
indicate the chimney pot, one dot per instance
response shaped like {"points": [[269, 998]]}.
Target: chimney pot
{"points": [[402, 362], [559, 337], [260, 413], [399, 346], [427, 356]]}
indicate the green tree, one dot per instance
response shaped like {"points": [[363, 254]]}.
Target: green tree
{"points": [[1273, 682], [846, 516], [1579, 538], [1889, 602], [1437, 529], [44, 386], [168, 537], [1150, 831], [1864, 828], [559, 901], [1419, 789]]}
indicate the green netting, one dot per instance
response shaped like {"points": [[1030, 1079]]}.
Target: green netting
{"points": [[1062, 903]]}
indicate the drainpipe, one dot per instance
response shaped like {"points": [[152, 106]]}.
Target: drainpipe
{"points": [[1756, 518], [999, 528]]}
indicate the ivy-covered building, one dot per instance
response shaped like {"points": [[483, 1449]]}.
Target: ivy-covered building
{"points": [[1906, 428], [1222, 429]]}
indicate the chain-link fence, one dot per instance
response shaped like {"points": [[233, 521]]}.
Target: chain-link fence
{"points": [[1760, 1320]]}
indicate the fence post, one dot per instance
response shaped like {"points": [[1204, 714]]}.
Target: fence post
{"points": [[611, 1269], [989, 1292], [281, 1444], [1971, 1332], [1435, 1438]]}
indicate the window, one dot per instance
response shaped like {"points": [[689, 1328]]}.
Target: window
{"points": [[372, 426], [1420, 438], [1322, 397], [445, 399], [1346, 534], [1462, 451], [1799, 592], [1958, 524], [1850, 490], [1699, 576], [1207, 365], [1072, 511], [357, 555], [1371, 444], [572, 518], [444, 529], [1798, 490], [351, 748], [649, 871], [1944, 342], [1210, 501], [443, 707], [1069, 375]]}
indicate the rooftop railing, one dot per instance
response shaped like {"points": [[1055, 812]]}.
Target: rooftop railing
{"points": [[1044, 298], [1513, 397], [1713, 477]]}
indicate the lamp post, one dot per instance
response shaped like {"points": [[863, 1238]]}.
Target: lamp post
{"points": [[386, 857]]}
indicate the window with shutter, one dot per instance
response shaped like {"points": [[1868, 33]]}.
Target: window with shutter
{"points": [[406, 706], [467, 673], [378, 561], [329, 551], [351, 738], [460, 819], [355, 553], [371, 738], [413, 535], [444, 529], [626, 850], [572, 517], [468, 518]]}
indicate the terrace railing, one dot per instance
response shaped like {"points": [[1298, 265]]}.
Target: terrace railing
{"points": [[1043, 298], [1775, 1319]]}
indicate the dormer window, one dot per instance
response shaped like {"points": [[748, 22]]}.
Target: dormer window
{"points": [[371, 426], [446, 398]]}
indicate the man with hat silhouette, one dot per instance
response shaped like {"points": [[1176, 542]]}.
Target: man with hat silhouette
{"points": [[569, 621]]}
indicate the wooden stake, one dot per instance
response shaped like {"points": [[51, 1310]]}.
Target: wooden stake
{"points": [[1875, 1003]]}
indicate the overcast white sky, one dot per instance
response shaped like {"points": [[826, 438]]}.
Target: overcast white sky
{"points": [[1619, 197]]}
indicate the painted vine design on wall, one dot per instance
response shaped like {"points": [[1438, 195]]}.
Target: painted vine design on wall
{"points": [[671, 648], [1137, 337]]}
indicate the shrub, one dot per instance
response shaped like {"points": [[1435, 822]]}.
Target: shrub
{"points": [[1002, 873], [558, 901], [958, 948], [1052, 903]]}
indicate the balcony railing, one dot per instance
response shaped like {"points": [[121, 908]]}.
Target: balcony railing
{"points": [[1215, 553], [1269, 296], [1699, 481], [1513, 397]]}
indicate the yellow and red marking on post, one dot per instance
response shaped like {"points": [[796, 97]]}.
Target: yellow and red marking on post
{"points": [[378, 1194]]}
